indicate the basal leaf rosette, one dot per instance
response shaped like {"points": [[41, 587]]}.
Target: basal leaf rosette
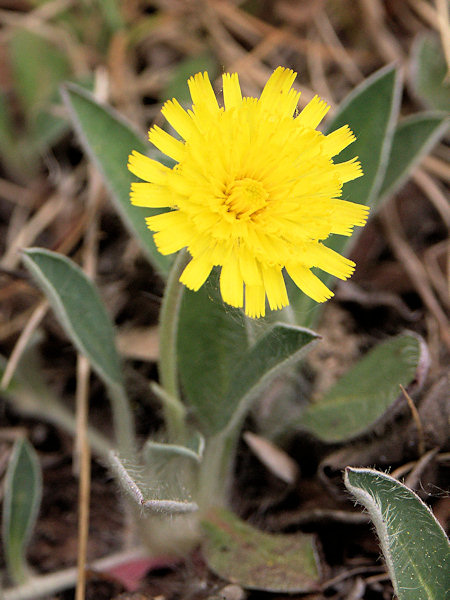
{"points": [[254, 191]]}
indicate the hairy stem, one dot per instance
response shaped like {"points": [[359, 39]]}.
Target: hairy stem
{"points": [[168, 326]]}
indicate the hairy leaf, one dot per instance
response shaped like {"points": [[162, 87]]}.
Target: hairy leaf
{"points": [[23, 492], [361, 397], [414, 545]]}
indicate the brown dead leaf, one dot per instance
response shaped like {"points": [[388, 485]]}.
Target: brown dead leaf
{"points": [[139, 343]]}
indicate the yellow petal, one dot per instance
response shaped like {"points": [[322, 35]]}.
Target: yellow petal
{"points": [[275, 287], [346, 215], [232, 95], [196, 272], [313, 113], [309, 283], [171, 240], [336, 141], [146, 168], [249, 267], [151, 195], [275, 96], [166, 143], [255, 301], [231, 282], [180, 120], [330, 261], [202, 93], [349, 170]]}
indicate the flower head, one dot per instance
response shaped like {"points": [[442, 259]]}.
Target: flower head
{"points": [[254, 191]]}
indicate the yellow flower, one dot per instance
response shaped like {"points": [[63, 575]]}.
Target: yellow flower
{"points": [[254, 191]]}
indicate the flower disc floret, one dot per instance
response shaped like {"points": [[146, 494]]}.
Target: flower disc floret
{"points": [[255, 191]]}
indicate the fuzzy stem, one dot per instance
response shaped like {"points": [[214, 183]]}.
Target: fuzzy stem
{"points": [[217, 470], [168, 326], [123, 420]]}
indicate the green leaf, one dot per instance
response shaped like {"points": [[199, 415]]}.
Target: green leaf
{"points": [[413, 139], [211, 342], [112, 15], [23, 492], [158, 451], [38, 67], [362, 396], [429, 72], [281, 347], [8, 147], [414, 545], [79, 308], [371, 111], [257, 560], [108, 140]]}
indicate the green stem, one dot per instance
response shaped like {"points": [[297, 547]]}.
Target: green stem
{"points": [[123, 420], [168, 327], [217, 470]]}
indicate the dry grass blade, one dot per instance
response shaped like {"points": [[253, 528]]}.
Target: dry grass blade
{"points": [[439, 277], [28, 233], [434, 194], [443, 11], [437, 167], [373, 13], [413, 267], [417, 421], [337, 50], [316, 70], [22, 342], [83, 464]]}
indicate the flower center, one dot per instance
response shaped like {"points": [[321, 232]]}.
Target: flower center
{"points": [[245, 197]]}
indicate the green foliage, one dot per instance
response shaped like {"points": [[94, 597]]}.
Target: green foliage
{"points": [[387, 151], [280, 348], [108, 140], [219, 373], [82, 314], [429, 73], [79, 308], [212, 340], [257, 560], [413, 139], [38, 66], [364, 394], [22, 498], [414, 545], [155, 451], [371, 111]]}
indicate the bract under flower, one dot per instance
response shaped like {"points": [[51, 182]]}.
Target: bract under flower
{"points": [[254, 191]]}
